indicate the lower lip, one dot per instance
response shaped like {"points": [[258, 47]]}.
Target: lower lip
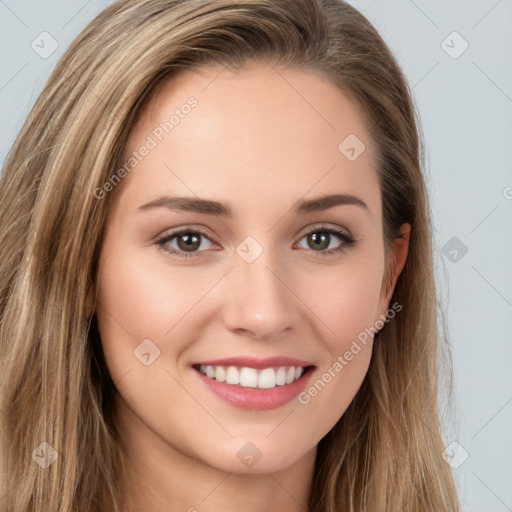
{"points": [[256, 399]]}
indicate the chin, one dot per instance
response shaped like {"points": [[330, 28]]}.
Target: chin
{"points": [[254, 458]]}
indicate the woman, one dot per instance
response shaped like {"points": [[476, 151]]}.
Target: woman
{"points": [[216, 277]]}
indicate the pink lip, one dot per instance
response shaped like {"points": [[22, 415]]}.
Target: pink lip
{"points": [[253, 362], [254, 398]]}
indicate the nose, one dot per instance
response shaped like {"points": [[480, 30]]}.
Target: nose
{"points": [[260, 301]]}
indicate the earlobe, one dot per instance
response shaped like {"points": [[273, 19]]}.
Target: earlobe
{"points": [[397, 262]]}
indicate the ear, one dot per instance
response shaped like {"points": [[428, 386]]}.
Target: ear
{"points": [[396, 264]]}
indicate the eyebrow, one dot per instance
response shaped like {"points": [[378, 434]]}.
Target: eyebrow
{"points": [[209, 207]]}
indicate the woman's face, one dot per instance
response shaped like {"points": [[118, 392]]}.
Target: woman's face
{"points": [[257, 282]]}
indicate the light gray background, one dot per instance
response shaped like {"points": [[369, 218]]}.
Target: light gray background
{"points": [[465, 102]]}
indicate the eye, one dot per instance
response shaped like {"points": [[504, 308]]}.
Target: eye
{"points": [[320, 238], [188, 242]]}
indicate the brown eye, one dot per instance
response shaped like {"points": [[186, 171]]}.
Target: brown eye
{"points": [[189, 242], [319, 239], [185, 242]]}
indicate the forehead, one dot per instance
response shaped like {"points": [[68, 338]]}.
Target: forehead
{"points": [[263, 131]]}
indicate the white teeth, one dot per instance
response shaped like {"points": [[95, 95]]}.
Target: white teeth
{"points": [[232, 375], [281, 376], [220, 374], [267, 378], [247, 377]]}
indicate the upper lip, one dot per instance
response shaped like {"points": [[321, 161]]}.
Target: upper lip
{"points": [[252, 362]]}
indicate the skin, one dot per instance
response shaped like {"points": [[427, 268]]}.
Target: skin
{"points": [[260, 140]]}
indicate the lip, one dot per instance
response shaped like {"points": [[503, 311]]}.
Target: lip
{"points": [[255, 399], [253, 362]]}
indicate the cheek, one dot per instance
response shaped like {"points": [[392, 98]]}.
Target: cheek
{"points": [[346, 303], [147, 295], [345, 298], [140, 299]]}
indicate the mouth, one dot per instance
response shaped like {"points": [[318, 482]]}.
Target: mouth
{"points": [[252, 383], [256, 378]]}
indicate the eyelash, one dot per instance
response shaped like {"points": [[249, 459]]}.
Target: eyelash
{"points": [[347, 239]]}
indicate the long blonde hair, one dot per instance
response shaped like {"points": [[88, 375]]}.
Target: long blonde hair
{"points": [[385, 452]]}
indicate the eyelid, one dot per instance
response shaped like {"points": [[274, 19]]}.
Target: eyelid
{"points": [[173, 233], [187, 228], [342, 233], [200, 230], [324, 226]]}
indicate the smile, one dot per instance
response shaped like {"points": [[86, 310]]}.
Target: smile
{"points": [[258, 384], [247, 377]]}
